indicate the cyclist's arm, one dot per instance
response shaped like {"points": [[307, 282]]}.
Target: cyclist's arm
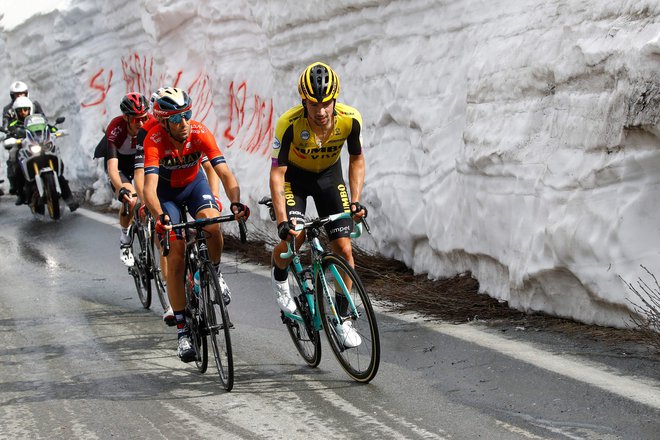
{"points": [[138, 179], [277, 192], [212, 177], [229, 182], [356, 166], [150, 194], [113, 174]]}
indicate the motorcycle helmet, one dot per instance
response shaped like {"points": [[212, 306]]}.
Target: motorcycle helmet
{"points": [[318, 83], [23, 102], [172, 101], [36, 129], [16, 88], [134, 105]]}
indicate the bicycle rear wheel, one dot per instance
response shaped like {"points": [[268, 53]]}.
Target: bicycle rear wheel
{"points": [[218, 325], [196, 323], [338, 284], [303, 334], [139, 269]]}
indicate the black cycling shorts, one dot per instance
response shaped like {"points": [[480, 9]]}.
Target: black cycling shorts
{"points": [[329, 192]]}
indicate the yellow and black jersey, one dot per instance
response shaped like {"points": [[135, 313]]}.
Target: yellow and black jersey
{"points": [[295, 143]]}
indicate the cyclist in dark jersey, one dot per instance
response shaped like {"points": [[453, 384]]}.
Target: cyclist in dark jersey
{"points": [[172, 177], [306, 162], [120, 160]]}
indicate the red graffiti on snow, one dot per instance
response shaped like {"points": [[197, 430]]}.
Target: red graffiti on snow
{"points": [[257, 133], [99, 84]]}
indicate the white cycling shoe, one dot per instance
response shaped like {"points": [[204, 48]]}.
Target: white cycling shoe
{"points": [[126, 256], [347, 335], [168, 317], [284, 300]]}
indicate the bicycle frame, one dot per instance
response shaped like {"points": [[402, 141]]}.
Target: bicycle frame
{"points": [[315, 269]]}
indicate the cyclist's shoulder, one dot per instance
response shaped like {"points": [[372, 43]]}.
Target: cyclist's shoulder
{"points": [[292, 115], [346, 111]]}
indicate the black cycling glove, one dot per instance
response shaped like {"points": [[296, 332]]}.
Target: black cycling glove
{"points": [[357, 207], [283, 230], [123, 192], [240, 208]]}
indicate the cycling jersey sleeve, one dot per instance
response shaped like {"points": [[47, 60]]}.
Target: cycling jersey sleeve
{"points": [[281, 146], [209, 147], [151, 154], [354, 140]]}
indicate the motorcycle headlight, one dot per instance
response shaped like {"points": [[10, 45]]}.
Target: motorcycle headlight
{"points": [[34, 149]]}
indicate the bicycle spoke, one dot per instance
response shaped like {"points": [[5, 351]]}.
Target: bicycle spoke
{"points": [[359, 353], [139, 269], [218, 326], [303, 334]]}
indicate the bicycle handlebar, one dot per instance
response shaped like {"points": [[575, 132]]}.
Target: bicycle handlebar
{"points": [[317, 223], [201, 223], [126, 205]]}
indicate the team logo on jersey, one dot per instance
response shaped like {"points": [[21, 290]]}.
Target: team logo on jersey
{"points": [[304, 135], [276, 144]]}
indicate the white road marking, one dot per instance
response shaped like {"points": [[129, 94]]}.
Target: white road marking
{"points": [[642, 390]]}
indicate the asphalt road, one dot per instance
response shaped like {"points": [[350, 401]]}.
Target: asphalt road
{"points": [[80, 358]]}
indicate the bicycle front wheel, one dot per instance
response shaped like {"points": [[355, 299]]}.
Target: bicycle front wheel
{"points": [[345, 309], [139, 269], [154, 264], [218, 324], [303, 334]]}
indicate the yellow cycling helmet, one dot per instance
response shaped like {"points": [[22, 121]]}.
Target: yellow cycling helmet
{"points": [[318, 83]]}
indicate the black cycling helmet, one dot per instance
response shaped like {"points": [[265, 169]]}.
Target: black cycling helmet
{"points": [[318, 83], [134, 104], [172, 101]]}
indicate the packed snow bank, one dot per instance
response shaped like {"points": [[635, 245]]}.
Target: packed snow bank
{"points": [[515, 140]]}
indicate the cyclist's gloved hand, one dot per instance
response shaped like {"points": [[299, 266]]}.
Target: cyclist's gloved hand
{"points": [[356, 207], [283, 230], [240, 208], [124, 192], [161, 223]]}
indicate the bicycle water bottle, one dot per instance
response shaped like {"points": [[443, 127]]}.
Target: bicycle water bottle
{"points": [[196, 283]]}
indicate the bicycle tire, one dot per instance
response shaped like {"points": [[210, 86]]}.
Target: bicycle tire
{"points": [[218, 325], [303, 334], [196, 323], [361, 362], [52, 197], [154, 264], [139, 269]]}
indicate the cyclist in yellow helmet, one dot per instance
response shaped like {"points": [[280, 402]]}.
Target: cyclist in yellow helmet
{"points": [[306, 162]]}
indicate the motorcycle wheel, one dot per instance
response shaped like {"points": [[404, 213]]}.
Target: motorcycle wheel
{"points": [[52, 197]]}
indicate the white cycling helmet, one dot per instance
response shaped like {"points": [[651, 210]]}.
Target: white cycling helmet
{"points": [[18, 87], [23, 102]]}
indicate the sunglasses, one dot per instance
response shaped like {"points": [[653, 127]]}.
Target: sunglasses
{"points": [[177, 118], [135, 119]]}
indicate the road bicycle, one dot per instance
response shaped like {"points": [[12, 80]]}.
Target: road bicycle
{"points": [[327, 293], [206, 311], [147, 260]]}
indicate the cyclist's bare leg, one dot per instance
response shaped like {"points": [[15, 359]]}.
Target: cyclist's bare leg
{"points": [[281, 247], [176, 269], [215, 240], [342, 246]]}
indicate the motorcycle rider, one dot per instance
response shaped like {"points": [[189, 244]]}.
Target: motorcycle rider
{"points": [[16, 90], [22, 108]]}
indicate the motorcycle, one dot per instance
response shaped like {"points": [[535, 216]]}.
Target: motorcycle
{"points": [[40, 163]]}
